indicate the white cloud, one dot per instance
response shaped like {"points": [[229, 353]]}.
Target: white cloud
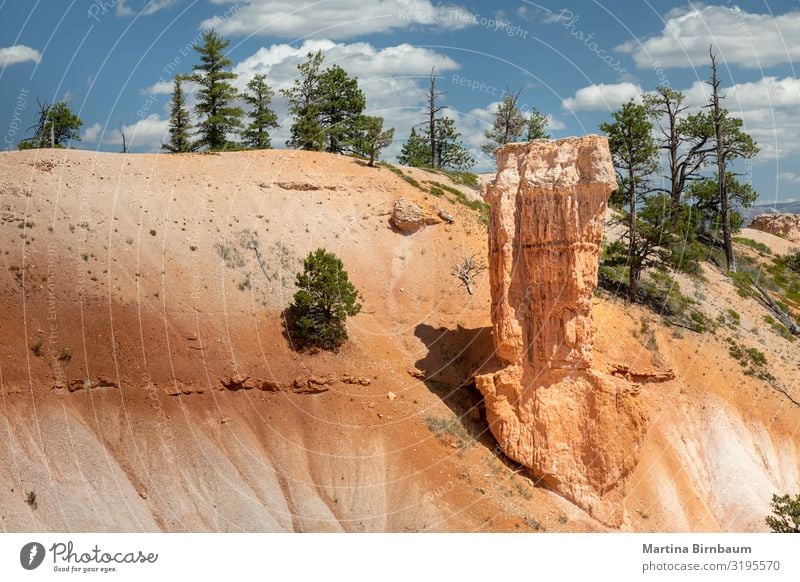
{"points": [[148, 133], [92, 133], [743, 38], [602, 97], [789, 178], [767, 106], [335, 19], [149, 7], [160, 88], [19, 53]]}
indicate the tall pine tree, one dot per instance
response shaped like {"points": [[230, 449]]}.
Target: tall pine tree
{"points": [[263, 118], [304, 97], [179, 124], [219, 116]]}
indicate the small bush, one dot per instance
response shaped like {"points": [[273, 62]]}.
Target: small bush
{"points": [[326, 298], [38, 349], [793, 261]]}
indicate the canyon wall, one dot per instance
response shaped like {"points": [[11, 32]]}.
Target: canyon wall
{"points": [[578, 429]]}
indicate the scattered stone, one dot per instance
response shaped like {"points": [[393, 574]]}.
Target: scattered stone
{"points": [[408, 217], [446, 216], [391, 396]]}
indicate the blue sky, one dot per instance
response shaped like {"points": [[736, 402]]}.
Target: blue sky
{"points": [[577, 61]]}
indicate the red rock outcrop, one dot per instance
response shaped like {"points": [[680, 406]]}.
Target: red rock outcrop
{"points": [[783, 225], [579, 430]]}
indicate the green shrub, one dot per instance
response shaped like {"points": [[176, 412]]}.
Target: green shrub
{"points": [[786, 514], [748, 242], [793, 261], [326, 298]]}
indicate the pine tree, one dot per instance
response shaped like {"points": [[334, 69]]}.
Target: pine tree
{"points": [[684, 139], [537, 126], [635, 157], [179, 125], [371, 138], [508, 125], [216, 95], [304, 99], [56, 127], [450, 153], [325, 299], [416, 152], [263, 118], [730, 142], [341, 105]]}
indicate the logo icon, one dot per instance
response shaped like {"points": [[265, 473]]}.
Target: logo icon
{"points": [[31, 555]]}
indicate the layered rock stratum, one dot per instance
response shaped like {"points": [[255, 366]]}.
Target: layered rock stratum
{"points": [[781, 224], [578, 429]]}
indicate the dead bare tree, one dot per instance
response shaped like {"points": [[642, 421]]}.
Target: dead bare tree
{"points": [[468, 269], [768, 302], [124, 139]]}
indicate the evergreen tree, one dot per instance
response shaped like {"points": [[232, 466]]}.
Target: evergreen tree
{"points": [[263, 118], [508, 125], [416, 151], [326, 298], [537, 126], [219, 115], [635, 157], [730, 143], [304, 99], [57, 125], [704, 196], [786, 514], [341, 105], [450, 154], [371, 138], [684, 139], [179, 124]]}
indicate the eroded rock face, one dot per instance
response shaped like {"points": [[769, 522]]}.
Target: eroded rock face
{"points": [[781, 224], [577, 429]]}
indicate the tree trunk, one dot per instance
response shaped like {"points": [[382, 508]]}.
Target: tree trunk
{"points": [[633, 274]]}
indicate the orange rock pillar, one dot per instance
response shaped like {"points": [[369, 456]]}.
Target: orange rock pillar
{"points": [[577, 429]]}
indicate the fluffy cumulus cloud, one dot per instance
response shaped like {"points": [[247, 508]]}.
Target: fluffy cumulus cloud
{"points": [[92, 133], [147, 133], [789, 178], [147, 7], [602, 97], [746, 39], [767, 106], [336, 19], [19, 53]]}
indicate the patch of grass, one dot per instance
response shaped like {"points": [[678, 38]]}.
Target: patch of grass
{"points": [[38, 349], [245, 283], [533, 523], [477, 205], [751, 359], [30, 499], [449, 431], [230, 255], [757, 246], [730, 317], [436, 191]]}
